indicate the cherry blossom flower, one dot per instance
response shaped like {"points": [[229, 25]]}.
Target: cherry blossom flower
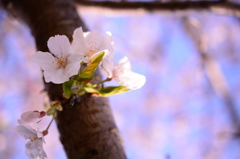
{"points": [[122, 74], [31, 117], [34, 146], [61, 63], [92, 43]]}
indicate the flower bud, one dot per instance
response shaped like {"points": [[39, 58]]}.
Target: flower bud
{"points": [[45, 132], [42, 114]]}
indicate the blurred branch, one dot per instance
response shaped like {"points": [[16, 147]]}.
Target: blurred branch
{"points": [[219, 83], [219, 7], [213, 71]]}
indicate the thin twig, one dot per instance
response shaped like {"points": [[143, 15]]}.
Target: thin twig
{"points": [[53, 117]]}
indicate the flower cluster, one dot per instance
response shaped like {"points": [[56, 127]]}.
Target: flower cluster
{"points": [[34, 146], [62, 64]]}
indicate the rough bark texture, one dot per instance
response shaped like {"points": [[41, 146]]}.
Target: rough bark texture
{"points": [[87, 129]]}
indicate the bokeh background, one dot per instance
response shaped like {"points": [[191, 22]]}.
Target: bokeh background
{"points": [[189, 106]]}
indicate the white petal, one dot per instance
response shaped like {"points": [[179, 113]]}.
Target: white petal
{"points": [[123, 64], [108, 44], [29, 117], [108, 66], [86, 33], [87, 59], [26, 131], [44, 60], [35, 149], [94, 41], [131, 80], [59, 44], [103, 42], [42, 153], [58, 76], [39, 134], [73, 64], [31, 150], [98, 42], [47, 75], [78, 44], [108, 33]]}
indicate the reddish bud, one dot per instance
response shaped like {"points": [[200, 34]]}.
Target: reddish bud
{"points": [[45, 132], [108, 79], [42, 114]]}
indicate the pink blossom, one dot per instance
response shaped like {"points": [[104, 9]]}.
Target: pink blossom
{"points": [[89, 44], [31, 117], [121, 72], [61, 63], [34, 146]]}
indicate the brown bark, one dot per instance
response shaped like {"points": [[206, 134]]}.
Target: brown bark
{"points": [[87, 129], [219, 7]]}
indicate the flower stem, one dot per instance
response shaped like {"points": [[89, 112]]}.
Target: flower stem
{"points": [[50, 122], [107, 79]]}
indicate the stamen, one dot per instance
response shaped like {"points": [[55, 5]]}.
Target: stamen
{"points": [[60, 61], [92, 46], [33, 139]]}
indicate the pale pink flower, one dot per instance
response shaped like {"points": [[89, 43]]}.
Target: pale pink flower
{"points": [[89, 44], [31, 117], [61, 63], [122, 73], [34, 146]]}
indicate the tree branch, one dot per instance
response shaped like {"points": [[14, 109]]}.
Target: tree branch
{"points": [[213, 72], [87, 129], [219, 7]]}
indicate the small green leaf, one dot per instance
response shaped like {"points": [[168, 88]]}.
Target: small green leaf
{"points": [[92, 66], [50, 111], [59, 107], [81, 92], [104, 92], [89, 88], [67, 88], [76, 86], [108, 91], [85, 80]]}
